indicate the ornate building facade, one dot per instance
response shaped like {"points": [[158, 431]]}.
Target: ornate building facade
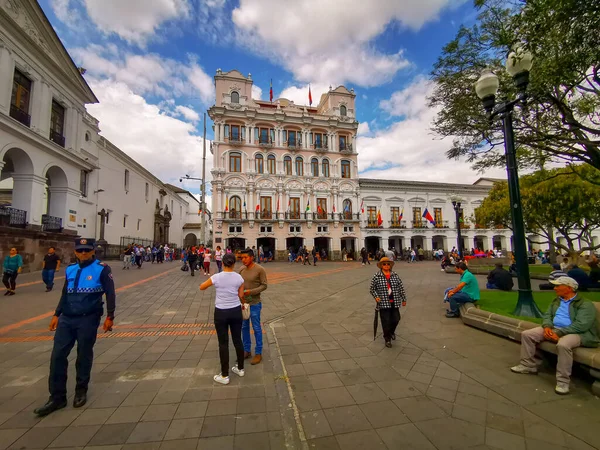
{"points": [[284, 175]]}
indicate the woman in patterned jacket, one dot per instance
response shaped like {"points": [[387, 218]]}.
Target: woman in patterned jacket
{"points": [[388, 292]]}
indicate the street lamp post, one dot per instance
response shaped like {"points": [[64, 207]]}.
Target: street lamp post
{"points": [[518, 64], [457, 210]]}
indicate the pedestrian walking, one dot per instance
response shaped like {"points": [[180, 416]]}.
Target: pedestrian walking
{"points": [[388, 292], [138, 256], [314, 255], [13, 264], [229, 287], [192, 258], [219, 258], [206, 261], [127, 254], [364, 256], [255, 282], [50, 266], [76, 319]]}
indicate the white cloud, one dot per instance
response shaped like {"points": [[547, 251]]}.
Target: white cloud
{"points": [[135, 20], [147, 73], [188, 113], [256, 92], [66, 13], [408, 150], [329, 42], [363, 129], [166, 146], [299, 94]]}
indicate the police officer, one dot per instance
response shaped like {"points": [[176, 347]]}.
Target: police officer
{"points": [[76, 319]]}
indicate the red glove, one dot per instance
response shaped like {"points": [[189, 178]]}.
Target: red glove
{"points": [[108, 324], [53, 323]]}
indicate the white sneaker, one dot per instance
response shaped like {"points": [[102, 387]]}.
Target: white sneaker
{"points": [[562, 388], [221, 379], [523, 369], [237, 371]]}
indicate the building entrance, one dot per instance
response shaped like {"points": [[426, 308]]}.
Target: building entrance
{"points": [[268, 247], [322, 243], [236, 244]]}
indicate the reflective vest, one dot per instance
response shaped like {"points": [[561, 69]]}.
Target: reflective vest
{"points": [[84, 290]]}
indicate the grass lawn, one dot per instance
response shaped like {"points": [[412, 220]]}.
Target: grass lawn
{"points": [[504, 303]]}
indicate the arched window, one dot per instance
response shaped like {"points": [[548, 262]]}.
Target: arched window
{"points": [[287, 165], [235, 208], [345, 169], [347, 208], [235, 97], [271, 164], [343, 110], [314, 167], [299, 166], [235, 162], [260, 163], [326, 168]]}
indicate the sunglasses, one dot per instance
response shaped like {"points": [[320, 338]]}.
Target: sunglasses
{"points": [[83, 250], [386, 264]]}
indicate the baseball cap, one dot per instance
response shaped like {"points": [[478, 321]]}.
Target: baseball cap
{"points": [[565, 281], [85, 244]]}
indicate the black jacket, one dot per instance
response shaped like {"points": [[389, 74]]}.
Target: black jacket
{"points": [[501, 278]]}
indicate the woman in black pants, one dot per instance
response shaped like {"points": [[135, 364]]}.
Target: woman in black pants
{"points": [[228, 316]]}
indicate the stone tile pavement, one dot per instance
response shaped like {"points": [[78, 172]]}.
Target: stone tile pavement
{"points": [[324, 384]]}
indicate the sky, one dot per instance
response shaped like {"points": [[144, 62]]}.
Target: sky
{"points": [[151, 64]]}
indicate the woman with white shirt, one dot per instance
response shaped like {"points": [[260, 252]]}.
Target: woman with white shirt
{"points": [[228, 316], [219, 258]]}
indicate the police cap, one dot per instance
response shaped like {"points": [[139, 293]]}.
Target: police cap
{"points": [[85, 244]]}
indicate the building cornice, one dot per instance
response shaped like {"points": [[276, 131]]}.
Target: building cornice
{"points": [[450, 188]]}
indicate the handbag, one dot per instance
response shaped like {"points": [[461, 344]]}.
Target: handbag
{"points": [[245, 311]]}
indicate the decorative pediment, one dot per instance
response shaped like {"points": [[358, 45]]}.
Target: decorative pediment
{"points": [[234, 182], [265, 184], [395, 200], [346, 187], [477, 202], [293, 185], [438, 201], [372, 198], [416, 200], [321, 186]]}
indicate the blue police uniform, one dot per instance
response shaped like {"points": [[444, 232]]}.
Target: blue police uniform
{"points": [[79, 310]]}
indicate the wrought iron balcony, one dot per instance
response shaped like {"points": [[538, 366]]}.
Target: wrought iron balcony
{"points": [[346, 148], [348, 216], [235, 215], [235, 140], [51, 223], [442, 224], [372, 223], [296, 144], [265, 215], [19, 115], [265, 142], [396, 223], [419, 224], [323, 215], [295, 215], [320, 146], [12, 217], [57, 138]]}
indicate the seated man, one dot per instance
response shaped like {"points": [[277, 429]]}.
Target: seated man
{"points": [[499, 278], [570, 322], [467, 291], [556, 273], [579, 275]]}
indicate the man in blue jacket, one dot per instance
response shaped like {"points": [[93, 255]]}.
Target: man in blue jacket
{"points": [[76, 319]]}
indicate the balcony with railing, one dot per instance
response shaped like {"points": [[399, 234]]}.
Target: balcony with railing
{"points": [[320, 146], [373, 223], [396, 223], [235, 215], [57, 138], [13, 217], [19, 115], [349, 217], [419, 224], [296, 215], [51, 223], [235, 140], [294, 144], [323, 215], [442, 224], [266, 215], [345, 148], [265, 142]]}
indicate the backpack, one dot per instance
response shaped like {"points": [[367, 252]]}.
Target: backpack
{"points": [[185, 267]]}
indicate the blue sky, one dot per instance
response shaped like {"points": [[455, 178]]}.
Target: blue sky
{"points": [[151, 62]]}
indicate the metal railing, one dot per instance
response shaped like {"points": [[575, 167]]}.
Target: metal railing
{"points": [[12, 217], [346, 148], [295, 215], [235, 215], [57, 138], [372, 223], [349, 216], [320, 146], [265, 215], [51, 223], [294, 144], [265, 142], [419, 224], [235, 140], [19, 115], [442, 224], [323, 215], [396, 223]]}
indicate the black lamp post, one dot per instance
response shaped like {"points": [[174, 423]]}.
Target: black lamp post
{"points": [[457, 210], [518, 64]]}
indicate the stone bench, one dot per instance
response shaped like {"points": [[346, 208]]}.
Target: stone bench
{"points": [[512, 329], [491, 262]]}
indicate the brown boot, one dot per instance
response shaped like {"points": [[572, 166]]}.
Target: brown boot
{"points": [[256, 360], [247, 355]]}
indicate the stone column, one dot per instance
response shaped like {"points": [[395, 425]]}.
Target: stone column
{"points": [[332, 142], [28, 195], [490, 242], [7, 70], [251, 138], [247, 133], [219, 211], [72, 126], [218, 132]]}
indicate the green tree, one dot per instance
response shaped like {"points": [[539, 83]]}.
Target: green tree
{"points": [[552, 200], [562, 120]]}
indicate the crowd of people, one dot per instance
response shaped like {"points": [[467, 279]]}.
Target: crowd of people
{"points": [[135, 255], [303, 255]]}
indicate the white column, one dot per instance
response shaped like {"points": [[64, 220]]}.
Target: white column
{"points": [[251, 138], [278, 137], [218, 133], [28, 195], [71, 131], [306, 142], [490, 242], [41, 108], [7, 70], [247, 134], [332, 143], [337, 206]]}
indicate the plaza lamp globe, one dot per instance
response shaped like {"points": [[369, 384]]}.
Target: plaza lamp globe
{"points": [[486, 88], [518, 65]]}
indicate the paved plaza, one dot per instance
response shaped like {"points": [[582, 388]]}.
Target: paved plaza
{"points": [[323, 384]]}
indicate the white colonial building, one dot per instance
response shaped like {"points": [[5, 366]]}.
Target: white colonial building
{"points": [[57, 172], [284, 175]]}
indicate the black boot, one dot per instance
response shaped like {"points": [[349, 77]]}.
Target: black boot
{"points": [[50, 406], [80, 399]]}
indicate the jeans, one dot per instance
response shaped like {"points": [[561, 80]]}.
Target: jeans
{"points": [[225, 320], [48, 277], [82, 330], [219, 265], [255, 319], [457, 299], [10, 280], [489, 285]]}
